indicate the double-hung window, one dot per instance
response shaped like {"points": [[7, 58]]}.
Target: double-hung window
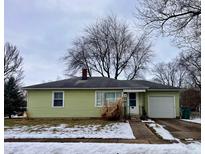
{"points": [[58, 99], [103, 97]]}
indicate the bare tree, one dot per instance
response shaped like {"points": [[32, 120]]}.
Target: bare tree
{"points": [[191, 61], [12, 62], [109, 48], [180, 19], [77, 58], [171, 74], [171, 17], [138, 61]]}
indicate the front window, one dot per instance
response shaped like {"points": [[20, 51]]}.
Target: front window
{"points": [[58, 99], [106, 97]]}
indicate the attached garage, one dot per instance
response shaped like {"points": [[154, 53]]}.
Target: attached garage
{"points": [[161, 107]]}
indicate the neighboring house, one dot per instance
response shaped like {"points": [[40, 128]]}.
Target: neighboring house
{"points": [[84, 96]]}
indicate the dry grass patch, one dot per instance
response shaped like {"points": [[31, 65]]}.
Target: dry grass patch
{"points": [[55, 122]]}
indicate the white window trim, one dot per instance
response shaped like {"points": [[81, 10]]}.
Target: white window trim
{"points": [[53, 100], [104, 91]]}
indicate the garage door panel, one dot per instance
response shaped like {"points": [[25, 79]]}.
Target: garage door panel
{"points": [[161, 107]]}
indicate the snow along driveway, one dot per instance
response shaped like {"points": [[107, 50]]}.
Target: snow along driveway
{"points": [[197, 120], [113, 130], [100, 148], [160, 130], [166, 135]]}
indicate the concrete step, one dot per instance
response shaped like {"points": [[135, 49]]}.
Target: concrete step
{"points": [[135, 118]]}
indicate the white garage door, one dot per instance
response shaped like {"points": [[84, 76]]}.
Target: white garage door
{"points": [[161, 107]]}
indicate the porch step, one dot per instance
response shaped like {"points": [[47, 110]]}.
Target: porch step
{"points": [[135, 118]]}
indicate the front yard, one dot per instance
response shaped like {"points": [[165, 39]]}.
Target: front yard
{"points": [[66, 128], [96, 129]]}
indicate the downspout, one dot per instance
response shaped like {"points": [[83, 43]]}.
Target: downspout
{"points": [[129, 104], [125, 104], [144, 102]]}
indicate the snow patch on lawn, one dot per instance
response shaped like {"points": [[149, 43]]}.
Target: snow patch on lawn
{"points": [[161, 131], [99, 148], [114, 130], [197, 120]]}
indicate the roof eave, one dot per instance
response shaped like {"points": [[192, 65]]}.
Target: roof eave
{"points": [[167, 89], [113, 88], [119, 88]]}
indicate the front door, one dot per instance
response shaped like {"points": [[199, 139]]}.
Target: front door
{"points": [[133, 104]]}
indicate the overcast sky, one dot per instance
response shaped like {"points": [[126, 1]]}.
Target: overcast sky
{"points": [[43, 29]]}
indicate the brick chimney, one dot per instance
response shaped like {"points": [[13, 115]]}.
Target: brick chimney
{"points": [[84, 74]]}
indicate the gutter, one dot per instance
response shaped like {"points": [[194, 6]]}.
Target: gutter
{"points": [[134, 90], [177, 89], [125, 89], [119, 88]]}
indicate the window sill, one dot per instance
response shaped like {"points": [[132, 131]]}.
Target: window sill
{"points": [[98, 106], [58, 107]]}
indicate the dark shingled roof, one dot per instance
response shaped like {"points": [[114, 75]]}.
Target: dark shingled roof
{"points": [[99, 83]]}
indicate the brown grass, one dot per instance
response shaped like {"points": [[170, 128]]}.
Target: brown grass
{"points": [[55, 122]]}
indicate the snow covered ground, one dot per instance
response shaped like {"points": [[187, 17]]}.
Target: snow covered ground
{"points": [[147, 121], [160, 130], [166, 135], [197, 120], [100, 148], [113, 130]]}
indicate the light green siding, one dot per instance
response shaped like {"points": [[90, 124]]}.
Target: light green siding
{"points": [[175, 94], [77, 103]]}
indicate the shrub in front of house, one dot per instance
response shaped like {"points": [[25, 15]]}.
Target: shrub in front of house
{"points": [[112, 110], [144, 114]]}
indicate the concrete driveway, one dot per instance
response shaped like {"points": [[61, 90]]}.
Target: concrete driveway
{"points": [[181, 129]]}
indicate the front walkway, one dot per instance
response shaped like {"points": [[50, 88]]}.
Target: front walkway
{"points": [[142, 134]]}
